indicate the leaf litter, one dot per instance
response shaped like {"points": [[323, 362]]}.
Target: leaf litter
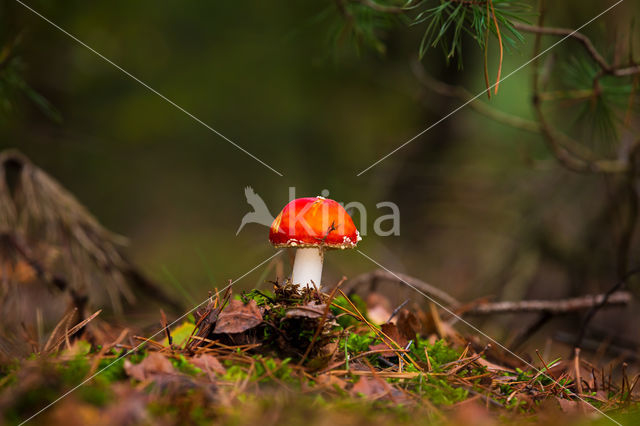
{"points": [[294, 351]]}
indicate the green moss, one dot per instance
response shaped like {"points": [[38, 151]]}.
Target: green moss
{"points": [[29, 402], [184, 366], [112, 370], [7, 373], [79, 348], [439, 353], [58, 378], [279, 370], [264, 369], [347, 320], [198, 416], [261, 298], [74, 371], [358, 343], [234, 372], [439, 391], [96, 394]]}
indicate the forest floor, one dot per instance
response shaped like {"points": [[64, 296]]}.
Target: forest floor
{"points": [[297, 356]]}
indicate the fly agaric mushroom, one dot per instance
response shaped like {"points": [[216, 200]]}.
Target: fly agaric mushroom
{"points": [[312, 225]]}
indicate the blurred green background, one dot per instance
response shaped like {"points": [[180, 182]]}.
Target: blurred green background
{"points": [[480, 201]]}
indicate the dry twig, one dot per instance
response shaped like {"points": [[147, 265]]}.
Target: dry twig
{"points": [[555, 307], [380, 274]]}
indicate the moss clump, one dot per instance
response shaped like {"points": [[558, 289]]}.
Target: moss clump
{"points": [[439, 353], [184, 366], [438, 390], [264, 370], [262, 298], [347, 320]]}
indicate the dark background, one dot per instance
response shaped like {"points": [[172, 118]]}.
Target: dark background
{"points": [[485, 208]]}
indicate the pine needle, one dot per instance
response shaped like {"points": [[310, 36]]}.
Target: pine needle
{"points": [[486, 56], [495, 21]]}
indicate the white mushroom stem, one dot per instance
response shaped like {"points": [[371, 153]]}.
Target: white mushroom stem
{"points": [[307, 266]]}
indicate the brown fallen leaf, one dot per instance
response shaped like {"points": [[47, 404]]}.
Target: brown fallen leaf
{"points": [[394, 334], [333, 381], [426, 323], [209, 363], [391, 330], [154, 364], [238, 317], [408, 325], [310, 310], [371, 387]]}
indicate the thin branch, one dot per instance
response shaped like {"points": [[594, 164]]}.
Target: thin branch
{"points": [[397, 310], [461, 93], [554, 307], [588, 45], [570, 158], [605, 299], [622, 72], [557, 141], [563, 32], [562, 146], [380, 274], [380, 7], [567, 151], [577, 94]]}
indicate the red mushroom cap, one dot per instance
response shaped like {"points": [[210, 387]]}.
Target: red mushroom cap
{"points": [[314, 222]]}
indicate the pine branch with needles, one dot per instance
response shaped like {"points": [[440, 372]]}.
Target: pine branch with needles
{"points": [[444, 23]]}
